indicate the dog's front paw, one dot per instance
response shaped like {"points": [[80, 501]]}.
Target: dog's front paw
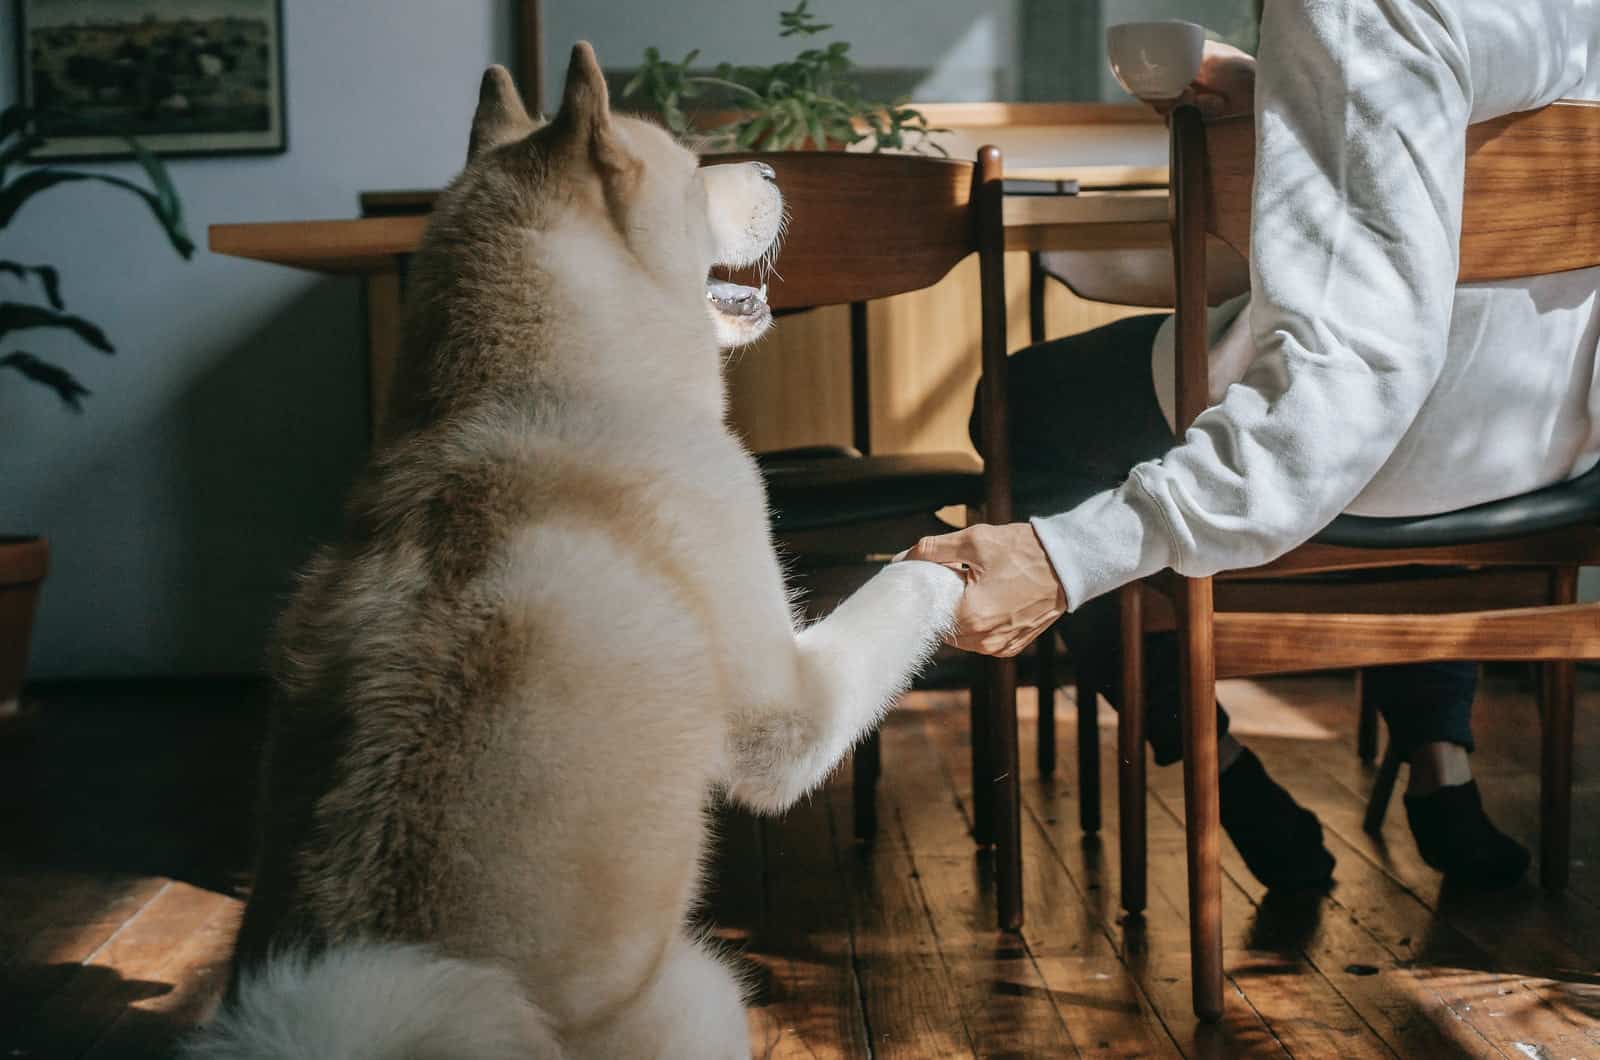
{"points": [[940, 586]]}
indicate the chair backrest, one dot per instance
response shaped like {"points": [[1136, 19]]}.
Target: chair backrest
{"points": [[1531, 206], [1531, 202], [867, 226]]}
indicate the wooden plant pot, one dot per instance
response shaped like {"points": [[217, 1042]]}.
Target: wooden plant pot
{"points": [[23, 563]]}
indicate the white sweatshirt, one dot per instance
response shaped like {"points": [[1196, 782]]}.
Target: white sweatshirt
{"points": [[1358, 377]]}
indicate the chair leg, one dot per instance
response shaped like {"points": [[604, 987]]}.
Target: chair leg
{"points": [[1367, 730], [1045, 660], [1007, 792], [1198, 702], [1382, 791], [978, 735], [1131, 752], [1088, 757], [866, 766], [1557, 687]]}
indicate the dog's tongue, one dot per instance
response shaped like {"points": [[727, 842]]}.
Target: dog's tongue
{"points": [[736, 299]]}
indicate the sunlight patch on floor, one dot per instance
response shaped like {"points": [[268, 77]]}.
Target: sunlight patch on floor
{"points": [[1255, 708]]}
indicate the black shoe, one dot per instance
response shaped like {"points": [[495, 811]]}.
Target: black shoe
{"points": [[1456, 837], [1280, 840]]}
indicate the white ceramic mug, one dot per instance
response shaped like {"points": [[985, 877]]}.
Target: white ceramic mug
{"points": [[1155, 61]]}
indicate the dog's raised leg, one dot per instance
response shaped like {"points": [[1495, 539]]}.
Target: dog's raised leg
{"points": [[850, 667]]}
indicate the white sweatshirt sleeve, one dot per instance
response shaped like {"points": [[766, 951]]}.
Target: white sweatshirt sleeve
{"points": [[1361, 111]]}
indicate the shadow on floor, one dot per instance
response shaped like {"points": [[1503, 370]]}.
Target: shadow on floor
{"points": [[145, 779]]}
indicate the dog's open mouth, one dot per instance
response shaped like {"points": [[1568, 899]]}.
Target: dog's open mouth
{"points": [[741, 313]]}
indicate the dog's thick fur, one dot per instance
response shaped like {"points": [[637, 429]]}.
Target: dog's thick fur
{"points": [[555, 626]]}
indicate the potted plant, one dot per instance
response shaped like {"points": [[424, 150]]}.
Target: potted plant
{"points": [[24, 558], [811, 100]]}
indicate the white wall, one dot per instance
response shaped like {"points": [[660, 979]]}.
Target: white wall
{"points": [[971, 46], [219, 441], [966, 42]]}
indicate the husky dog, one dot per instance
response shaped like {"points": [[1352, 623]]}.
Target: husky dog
{"points": [[554, 627]]}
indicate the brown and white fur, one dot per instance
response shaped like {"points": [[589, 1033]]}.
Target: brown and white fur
{"points": [[554, 628]]}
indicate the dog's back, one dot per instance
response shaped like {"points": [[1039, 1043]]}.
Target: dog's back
{"points": [[501, 709]]}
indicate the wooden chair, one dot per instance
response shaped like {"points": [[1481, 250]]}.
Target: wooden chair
{"points": [[1125, 279], [863, 227], [1495, 582], [1046, 648]]}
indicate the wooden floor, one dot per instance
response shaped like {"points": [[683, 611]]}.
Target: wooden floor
{"points": [[123, 837]]}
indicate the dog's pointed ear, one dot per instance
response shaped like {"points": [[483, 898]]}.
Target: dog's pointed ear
{"points": [[501, 117], [585, 114], [585, 101]]}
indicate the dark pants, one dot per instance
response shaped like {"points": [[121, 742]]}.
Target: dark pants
{"points": [[1083, 413]]}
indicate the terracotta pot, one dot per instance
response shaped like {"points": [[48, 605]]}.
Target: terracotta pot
{"points": [[23, 563]]}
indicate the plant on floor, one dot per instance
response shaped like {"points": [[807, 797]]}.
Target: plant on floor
{"points": [[17, 142], [810, 99]]}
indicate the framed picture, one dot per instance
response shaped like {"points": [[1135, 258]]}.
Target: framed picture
{"points": [[187, 77]]}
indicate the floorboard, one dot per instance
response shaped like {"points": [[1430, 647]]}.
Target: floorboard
{"points": [[124, 829]]}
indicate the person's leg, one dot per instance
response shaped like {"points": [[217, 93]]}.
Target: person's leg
{"points": [[1428, 710], [1082, 413]]}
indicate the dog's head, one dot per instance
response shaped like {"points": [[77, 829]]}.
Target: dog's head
{"points": [[632, 181]]}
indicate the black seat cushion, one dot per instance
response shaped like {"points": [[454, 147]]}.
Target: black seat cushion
{"points": [[1551, 508], [801, 453], [811, 494]]}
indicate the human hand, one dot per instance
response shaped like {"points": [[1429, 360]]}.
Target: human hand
{"points": [[1225, 85], [1012, 592]]}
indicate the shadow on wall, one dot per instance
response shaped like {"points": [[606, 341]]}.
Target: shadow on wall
{"points": [[175, 538], [272, 435]]}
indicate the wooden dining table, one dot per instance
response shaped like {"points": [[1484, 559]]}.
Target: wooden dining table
{"points": [[1119, 208], [1122, 218]]}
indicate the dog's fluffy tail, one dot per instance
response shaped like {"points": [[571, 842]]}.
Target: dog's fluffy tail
{"points": [[375, 1001]]}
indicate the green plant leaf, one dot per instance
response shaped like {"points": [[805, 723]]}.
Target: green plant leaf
{"points": [[20, 316], [732, 86], [810, 97], [819, 139], [171, 207], [800, 21], [674, 119], [68, 389], [19, 191], [49, 278], [750, 132], [784, 131]]}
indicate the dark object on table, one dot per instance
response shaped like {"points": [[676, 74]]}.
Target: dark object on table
{"points": [[1021, 186]]}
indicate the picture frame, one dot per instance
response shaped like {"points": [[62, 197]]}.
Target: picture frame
{"points": [[187, 78]]}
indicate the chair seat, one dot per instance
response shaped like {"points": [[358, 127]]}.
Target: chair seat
{"points": [[801, 453], [812, 494], [1570, 503]]}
